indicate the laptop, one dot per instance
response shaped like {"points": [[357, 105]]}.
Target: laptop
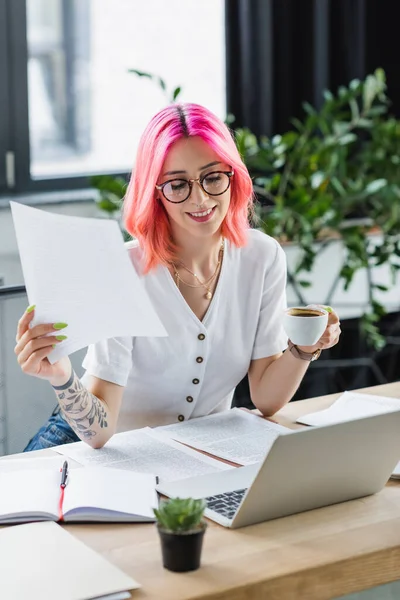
{"points": [[303, 470]]}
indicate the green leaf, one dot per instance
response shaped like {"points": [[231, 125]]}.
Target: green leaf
{"points": [[355, 112], [107, 205], [355, 84], [176, 93], [375, 186], [140, 73], [382, 288], [365, 123], [162, 84], [317, 179], [309, 109], [180, 514], [349, 138]]}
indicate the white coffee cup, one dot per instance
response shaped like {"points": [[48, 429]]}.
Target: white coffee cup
{"points": [[304, 325]]}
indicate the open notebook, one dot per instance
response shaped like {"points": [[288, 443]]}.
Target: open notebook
{"points": [[91, 494]]}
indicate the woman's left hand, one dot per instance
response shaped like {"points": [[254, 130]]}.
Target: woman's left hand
{"points": [[331, 335]]}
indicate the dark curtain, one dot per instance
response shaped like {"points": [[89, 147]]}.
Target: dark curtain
{"points": [[280, 53]]}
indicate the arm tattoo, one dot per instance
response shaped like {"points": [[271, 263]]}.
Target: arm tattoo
{"points": [[80, 408]]}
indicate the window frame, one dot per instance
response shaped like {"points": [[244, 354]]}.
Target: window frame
{"points": [[4, 95], [14, 115]]}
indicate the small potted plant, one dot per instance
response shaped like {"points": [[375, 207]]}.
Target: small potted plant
{"points": [[181, 528]]}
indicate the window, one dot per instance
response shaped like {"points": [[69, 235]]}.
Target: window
{"points": [[71, 107]]}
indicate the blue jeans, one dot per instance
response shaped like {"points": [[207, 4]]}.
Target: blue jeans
{"points": [[54, 432]]}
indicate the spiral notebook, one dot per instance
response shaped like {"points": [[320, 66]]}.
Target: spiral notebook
{"points": [[91, 494]]}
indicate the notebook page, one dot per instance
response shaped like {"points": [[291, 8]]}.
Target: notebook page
{"points": [[234, 435], [111, 490], [75, 269], [29, 493], [351, 405], [54, 463], [41, 551]]}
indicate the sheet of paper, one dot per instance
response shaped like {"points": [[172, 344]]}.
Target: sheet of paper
{"points": [[351, 405], [234, 435], [77, 271], [42, 561], [143, 451]]}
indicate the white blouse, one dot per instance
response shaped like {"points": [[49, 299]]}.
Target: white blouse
{"points": [[194, 371]]}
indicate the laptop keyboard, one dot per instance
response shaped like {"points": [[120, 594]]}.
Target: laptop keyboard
{"points": [[226, 504]]}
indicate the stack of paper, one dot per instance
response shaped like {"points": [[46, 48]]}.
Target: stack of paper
{"points": [[42, 561], [351, 405]]}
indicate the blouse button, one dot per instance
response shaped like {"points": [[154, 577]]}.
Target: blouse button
{"points": [[201, 336], [199, 359], [181, 418], [196, 381], [189, 399]]}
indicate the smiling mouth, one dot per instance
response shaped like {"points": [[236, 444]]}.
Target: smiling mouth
{"points": [[203, 213]]}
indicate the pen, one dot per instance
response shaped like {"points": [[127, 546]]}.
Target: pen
{"points": [[64, 474]]}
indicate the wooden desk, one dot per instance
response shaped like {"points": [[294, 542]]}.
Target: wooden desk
{"points": [[320, 554]]}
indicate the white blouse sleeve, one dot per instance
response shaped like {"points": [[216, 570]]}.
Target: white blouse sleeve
{"points": [[110, 360], [270, 337]]}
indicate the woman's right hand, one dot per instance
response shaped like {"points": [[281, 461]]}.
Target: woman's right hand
{"points": [[33, 347]]}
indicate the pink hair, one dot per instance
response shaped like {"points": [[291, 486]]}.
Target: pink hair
{"points": [[145, 217]]}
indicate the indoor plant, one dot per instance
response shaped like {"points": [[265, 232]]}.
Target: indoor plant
{"points": [[335, 175], [181, 529]]}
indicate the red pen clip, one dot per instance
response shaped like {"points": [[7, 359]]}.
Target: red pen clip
{"points": [[63, 483]]}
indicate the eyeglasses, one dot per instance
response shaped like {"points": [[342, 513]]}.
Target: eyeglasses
{"points": [[179, 190]]}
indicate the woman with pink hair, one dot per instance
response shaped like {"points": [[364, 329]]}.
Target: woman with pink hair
{"points": [[217, 285]]}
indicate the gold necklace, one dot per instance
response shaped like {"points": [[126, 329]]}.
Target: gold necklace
{"points": [[204, 284]]}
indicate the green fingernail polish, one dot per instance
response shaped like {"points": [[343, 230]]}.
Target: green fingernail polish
{"points": [[60, 338], [60, 325], [328, 309], [31, 308]]}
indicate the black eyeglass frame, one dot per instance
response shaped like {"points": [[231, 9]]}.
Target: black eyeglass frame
{"points": [[199, 180]]}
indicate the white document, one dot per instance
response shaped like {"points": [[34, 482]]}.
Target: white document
{"points": [[42, 561], [234, 435], [77, 271], [144, 452], [351, 405]]}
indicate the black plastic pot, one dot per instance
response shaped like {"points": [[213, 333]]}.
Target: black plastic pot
{"points": [[181, 551]]}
